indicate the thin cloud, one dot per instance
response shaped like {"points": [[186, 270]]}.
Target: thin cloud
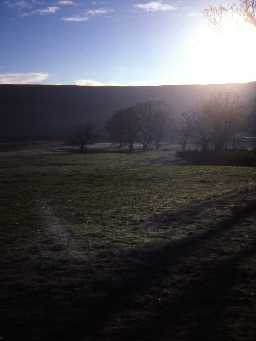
{"points": [[47, 10], [75, 19], [34, 7], [155, 6], [99, 11], [66, 3], [88, 14], [89, 82], [23, 78], [42, 11], [21, 4]]}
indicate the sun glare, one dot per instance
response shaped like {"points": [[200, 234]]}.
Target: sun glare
{"points": [[223, 54]]}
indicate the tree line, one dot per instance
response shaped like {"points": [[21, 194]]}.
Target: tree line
{"points": [[215, 124], [146, 123]]}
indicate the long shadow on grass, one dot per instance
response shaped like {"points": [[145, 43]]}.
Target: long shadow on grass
{"points": [[75, 316], [148, 268], [101, 151], [155, 264], [198, 311]]}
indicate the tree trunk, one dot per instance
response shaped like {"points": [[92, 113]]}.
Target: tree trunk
{"points": [[157, 144], [82, 147], [145, 147], [184, 144], [131, 147]]}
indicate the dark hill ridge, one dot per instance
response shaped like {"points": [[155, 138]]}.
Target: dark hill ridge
{"points": [[49, 111]]}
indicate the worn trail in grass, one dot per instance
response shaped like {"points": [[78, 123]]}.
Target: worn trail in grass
{"points": [[125, 247]]}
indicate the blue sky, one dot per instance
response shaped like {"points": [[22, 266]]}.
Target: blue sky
{"points": [[97, 42]]}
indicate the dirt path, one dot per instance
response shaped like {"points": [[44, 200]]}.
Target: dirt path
{"points": [[55, 237]]}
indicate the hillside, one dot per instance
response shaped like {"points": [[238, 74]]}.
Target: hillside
{"points": [[42, 111]]}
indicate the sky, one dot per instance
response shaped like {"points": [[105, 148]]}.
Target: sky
{"points": [[104, 42]]}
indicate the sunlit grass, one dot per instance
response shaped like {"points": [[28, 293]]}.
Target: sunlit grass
{"points": [[110, 197]]}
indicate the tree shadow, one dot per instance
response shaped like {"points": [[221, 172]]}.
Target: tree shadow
{"points": [[100, 151], [75, 313], [198, 311]]}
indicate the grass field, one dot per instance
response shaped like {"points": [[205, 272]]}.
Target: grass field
{"points": [[115, 246]]}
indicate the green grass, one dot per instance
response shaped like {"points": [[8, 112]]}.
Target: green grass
{"points": [[108, 198], [124, 213]]}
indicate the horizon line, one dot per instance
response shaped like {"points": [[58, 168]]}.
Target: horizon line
{"points": [[126, 85]]}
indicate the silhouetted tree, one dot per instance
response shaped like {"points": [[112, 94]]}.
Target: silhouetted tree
{"points": [[85, 136], [124, 127], [154, 122], [146, 123], [162, 127], [186, 128], [202, 131], [250, 124], [217, 122], [163, 122], [116, 128], [132, 121]]}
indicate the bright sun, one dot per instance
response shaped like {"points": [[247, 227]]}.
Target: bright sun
{"points": [[223, 54]]}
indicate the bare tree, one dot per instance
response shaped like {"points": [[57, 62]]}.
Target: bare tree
{"points": [[154, 122], [124, 127], [85, 136], [116, 128], [215, 13], [244, 8], [248, 10], [164, 123], [202, 131], [132, 123], [217, 122], [146, 123], [186, 128], [147, 120]]}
